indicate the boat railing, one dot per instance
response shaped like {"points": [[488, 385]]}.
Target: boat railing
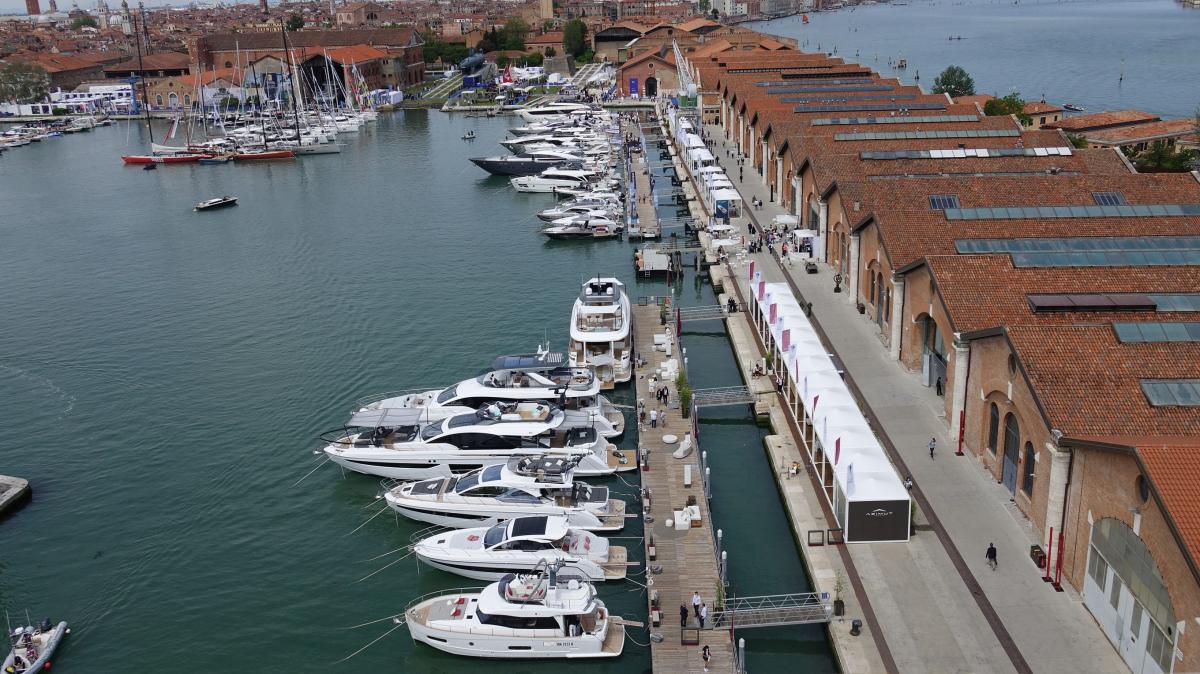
{"points": [[421, 535], [376, 397], [443, 593]]}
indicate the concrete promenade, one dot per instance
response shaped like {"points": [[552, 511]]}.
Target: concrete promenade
{"points": [[939, 606]]}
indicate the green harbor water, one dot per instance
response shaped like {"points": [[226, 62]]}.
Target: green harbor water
{"points": [[164, 375]]}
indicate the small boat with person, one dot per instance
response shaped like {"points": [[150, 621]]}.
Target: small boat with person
{"points": [[31, 647], [470, 135], [521, 616], [215, 202], [1072, 107]]}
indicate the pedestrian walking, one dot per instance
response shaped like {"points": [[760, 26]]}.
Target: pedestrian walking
{"points": [[990, 556], [932, 446], [666, 396], [696, 603], [706, 656], [653, 418], [704, 614], [683, 614]]}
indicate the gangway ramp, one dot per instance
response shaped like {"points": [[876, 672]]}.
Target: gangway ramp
{"points": [[725, 395], [773, 610]]}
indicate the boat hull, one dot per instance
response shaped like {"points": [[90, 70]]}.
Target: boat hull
{"points": [[46, 650], [481, 644], [501, 167], [479, 569], [422, 468], [445, 515], [163, 159]]}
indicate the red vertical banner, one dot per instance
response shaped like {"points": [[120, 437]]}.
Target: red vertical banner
{"points": [[774, 312], [751, 269], [787, 339]]}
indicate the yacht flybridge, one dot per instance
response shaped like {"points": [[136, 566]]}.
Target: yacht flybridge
{"points": [[524, 486], [555, 178], [520, 545], [524, 616], [600, 336], [553, 111], [542, 376], [401, 443]]}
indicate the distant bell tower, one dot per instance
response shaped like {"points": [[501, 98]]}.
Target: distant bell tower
{"points": [[262, 4], [32, 7], [546, 9], [53, 7]]}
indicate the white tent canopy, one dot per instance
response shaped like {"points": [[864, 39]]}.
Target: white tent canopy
{"points": [[726, 194], [710, 169], [867, 495], [692, 140]]}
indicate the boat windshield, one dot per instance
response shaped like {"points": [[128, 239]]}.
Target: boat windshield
{"points": [[494, 535], [466, 482], [431, 431], [447, 395], [518, 496], [492, 473]]}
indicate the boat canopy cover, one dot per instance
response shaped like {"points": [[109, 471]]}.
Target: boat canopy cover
{"points": [[528, 361], [528, 526], [388, 416]]}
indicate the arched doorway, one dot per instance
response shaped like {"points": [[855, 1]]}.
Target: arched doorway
{"points": [[1125, 592], [933, 354], [1012, 452], [651, 87], [172, 100]]}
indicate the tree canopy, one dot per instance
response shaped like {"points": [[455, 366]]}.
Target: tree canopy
{"points": [[86, 20], [575, 37], [1011, 104], [23, 82], [448, 52], [295, 22], [954, 81]]}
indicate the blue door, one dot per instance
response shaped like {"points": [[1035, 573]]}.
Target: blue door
{"points": [[1012, 444]]}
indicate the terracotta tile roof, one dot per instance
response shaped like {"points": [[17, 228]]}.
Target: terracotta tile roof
{"points": [[663, 54], [359, 53], [384, 37], [56, 63], [698, 22], [1138, 133], [1102, 120], [168, 60], [207, 77], [986, 291], [1090, 384], [1174, 469], [1040, 107], [972, 100]]}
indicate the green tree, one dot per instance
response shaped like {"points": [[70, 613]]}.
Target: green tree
{"points": [[1078, 141], [551, 51], [705, 5], [954, 81], [534, 59], [575, 37], [23, 82], [513, 34], [85, 20], [715, 14], [295, 22], [1162, 157], [502, 61], [1011, 104]]}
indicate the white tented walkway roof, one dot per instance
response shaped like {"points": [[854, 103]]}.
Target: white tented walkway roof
{"points": [[867, 495]]}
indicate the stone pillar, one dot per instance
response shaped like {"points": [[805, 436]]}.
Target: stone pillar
{"points": [[823, 228], [766, 158], [897, 324], [958, 400], [1056, 496], [779, 181], [852, 270], [795, 186]]}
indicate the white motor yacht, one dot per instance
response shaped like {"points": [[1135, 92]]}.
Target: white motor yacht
{"points": [[524, 486], [552, 110], [400, 444], [541, 376], [518, 617], [600, 336], [582, 227], [555, 179], [591, 210], [520, 545]]}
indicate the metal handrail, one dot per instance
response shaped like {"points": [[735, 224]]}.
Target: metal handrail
{"points": [[439, 593], [368, 399]]}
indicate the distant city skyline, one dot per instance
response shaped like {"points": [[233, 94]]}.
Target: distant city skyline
{"points": [[18, 6]]}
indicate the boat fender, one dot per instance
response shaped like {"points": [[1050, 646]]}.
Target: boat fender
{"points": [[601, 613]]}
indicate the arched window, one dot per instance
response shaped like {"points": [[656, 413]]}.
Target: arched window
{"points": [[1012, 438], [229, 64], [187, 100], [879, 284], [993, 427], [1027, 482], [158, 100], [172, 100]]}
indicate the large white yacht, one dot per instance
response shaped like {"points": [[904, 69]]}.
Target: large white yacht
{"points": [[555, 178], [541, 376], [596, 209], [524, 486], [398, 443], [600, 335], [552, 111], [520, 545], [519, 616]]}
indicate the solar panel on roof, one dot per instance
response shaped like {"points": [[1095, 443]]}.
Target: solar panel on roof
{"points": [[1052, 302], [779, 83], [1149, 333], [1176, 301], [1150, 251], [1172, 392], [1047, 212], [957, 153], [819, 90], [870, 106], [904, 119], [916, 135], [846, 97]]}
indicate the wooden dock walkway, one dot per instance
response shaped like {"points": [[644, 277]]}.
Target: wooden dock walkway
{"points": [[688, 557]]}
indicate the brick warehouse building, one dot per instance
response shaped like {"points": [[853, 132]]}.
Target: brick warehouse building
{"points": [[1051, 295]]}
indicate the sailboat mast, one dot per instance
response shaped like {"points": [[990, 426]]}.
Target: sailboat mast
{"points": [[262, 124], [291, 81], [137, 38]]}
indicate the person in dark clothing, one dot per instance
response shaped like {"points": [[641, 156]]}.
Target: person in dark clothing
{"points": [[683, 615], [991, 556]]}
